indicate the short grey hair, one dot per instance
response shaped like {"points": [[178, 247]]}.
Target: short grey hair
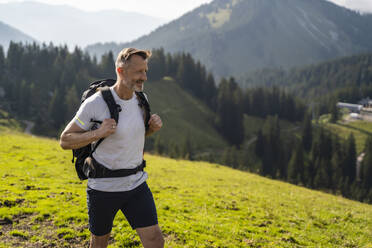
{"points": [[126, 53]]}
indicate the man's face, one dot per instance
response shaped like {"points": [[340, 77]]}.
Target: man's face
{"points": [[134, 74]]}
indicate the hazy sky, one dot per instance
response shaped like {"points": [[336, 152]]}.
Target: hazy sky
{"points": [[168, 9]]}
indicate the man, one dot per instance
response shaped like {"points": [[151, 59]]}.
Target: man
{"points": [[122, 148]]}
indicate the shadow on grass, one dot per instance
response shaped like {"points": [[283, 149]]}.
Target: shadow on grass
{"points": [[354, 128]]}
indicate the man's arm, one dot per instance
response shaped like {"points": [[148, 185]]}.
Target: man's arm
{"points": [[155, 124], [74, 137]]}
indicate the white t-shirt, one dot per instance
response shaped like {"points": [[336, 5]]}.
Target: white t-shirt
{"points": [[121, 150]]}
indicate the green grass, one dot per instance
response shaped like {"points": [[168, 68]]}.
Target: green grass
{"points": [[184, 117], [6, 122], [360, 129], [199, 205]]}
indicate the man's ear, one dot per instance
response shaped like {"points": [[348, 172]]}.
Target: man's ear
{"points": [[119, 70]]}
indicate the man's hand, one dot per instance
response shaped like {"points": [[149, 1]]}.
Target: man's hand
{"points": [[107, 128], [74, 137], [155, 124]]}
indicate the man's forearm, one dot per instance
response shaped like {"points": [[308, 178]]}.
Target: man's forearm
{"points": [[78, 140]]}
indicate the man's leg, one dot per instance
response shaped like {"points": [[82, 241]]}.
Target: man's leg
{"points": [[140, 212], [99, 241], [151, 236], [102, 208]]}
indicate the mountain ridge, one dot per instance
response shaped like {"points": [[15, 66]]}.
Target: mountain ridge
{"points": [[63, 24], [233, 37], [9, 33]]}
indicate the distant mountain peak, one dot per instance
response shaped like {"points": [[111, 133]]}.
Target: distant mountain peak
{"points": [[232, 37], [9, 33], [64, 24]]}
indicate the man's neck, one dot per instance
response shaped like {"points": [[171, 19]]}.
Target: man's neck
{"points": [[123, 92]]}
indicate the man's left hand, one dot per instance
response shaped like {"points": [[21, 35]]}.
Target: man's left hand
{"points": [[155, 123]]}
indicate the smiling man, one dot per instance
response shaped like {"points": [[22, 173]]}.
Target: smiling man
{"points": [[122, 148]]}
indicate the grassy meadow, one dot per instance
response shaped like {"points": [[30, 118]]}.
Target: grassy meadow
{"points": [[43, 204], [181, 111], [360, 129]]}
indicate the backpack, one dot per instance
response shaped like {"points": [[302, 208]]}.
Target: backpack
{"points": [[85, 166]]}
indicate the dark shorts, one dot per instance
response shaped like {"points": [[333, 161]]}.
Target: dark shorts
{"points": [[137, 205]]}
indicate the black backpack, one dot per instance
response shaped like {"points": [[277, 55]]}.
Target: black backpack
{"points": [[86, 167]]}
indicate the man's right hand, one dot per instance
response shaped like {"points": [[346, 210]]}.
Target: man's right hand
{"points": [[74, 137], [107, 128]]}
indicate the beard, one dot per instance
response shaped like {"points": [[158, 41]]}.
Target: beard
{"points": [[138, 85]]}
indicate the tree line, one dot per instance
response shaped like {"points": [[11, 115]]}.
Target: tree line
{"points": [[316, 159], [348, 79], [227, 99], [44, 83]]}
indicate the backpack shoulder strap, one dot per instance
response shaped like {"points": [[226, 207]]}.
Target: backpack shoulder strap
{"points": [[144, 104], [113, 108], [111, 104]]}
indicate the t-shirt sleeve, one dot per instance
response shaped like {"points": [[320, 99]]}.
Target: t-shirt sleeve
{"points": [[84, 115]]}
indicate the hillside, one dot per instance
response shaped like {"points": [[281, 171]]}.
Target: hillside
{"points": [[232, 37], [360, 129], [199, 205], [8, 33], [7, 122], [62, 24], [349, 77], [184, 117]]}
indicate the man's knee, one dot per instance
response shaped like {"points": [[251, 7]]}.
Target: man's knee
{"points": [[151, 237], [99, 241], [156, 240]]}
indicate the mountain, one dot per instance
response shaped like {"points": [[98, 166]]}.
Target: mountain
{"points": [[232, 37], [349, 77], [8, 33], [62, 24]]}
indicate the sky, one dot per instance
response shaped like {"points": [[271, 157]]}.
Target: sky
{"points": [[168, 9]]}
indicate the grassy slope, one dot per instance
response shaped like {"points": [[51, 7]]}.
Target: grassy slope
{"points": [[360, 130], [7, 122], [199, 205], [183, 116]]}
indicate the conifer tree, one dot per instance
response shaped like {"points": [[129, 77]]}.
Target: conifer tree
{"points": [[107, 65], [24, 99], [56, 109], [186, 149], [296, 166], [337, 163], [367, 164], [335, 113], [210, 92], [157, 65], [229, 113], [174, 151], [71, 102], [350, 158], [260, 144], [171, 64], [271, 131], [307, 133], [322, 179], [2, 64], [158, 145]]}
